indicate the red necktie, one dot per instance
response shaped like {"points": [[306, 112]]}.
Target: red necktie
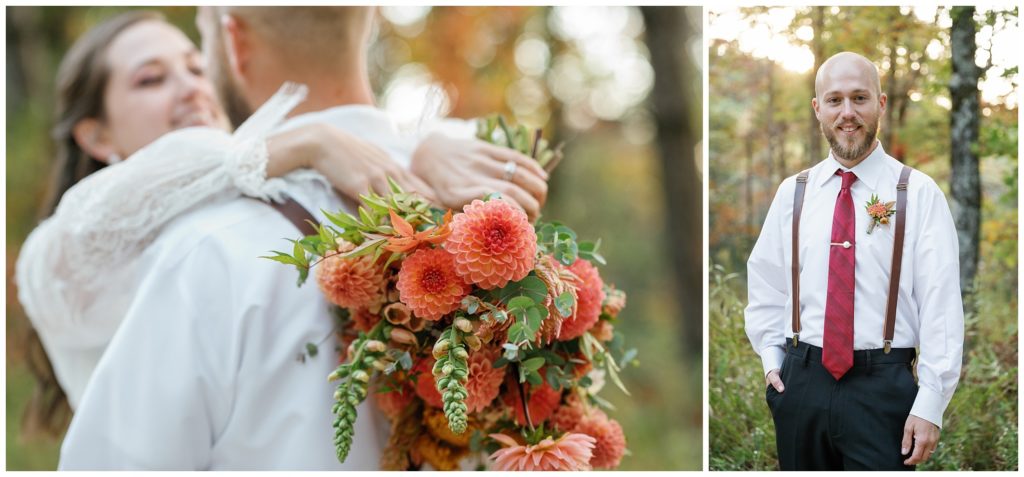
{"points": [[837, 344]]}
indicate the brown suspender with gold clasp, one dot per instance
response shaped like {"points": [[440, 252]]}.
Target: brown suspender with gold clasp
{"points": [[897, 255]]}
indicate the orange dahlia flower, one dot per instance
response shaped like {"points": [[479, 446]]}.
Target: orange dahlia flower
{"points": [[588, 303], [484, 379], [351, 282], [571, 452], [493, 243], [611, 441], [568, 415], [428, 283]]}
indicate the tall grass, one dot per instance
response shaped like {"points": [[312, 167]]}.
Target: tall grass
{"points": [[980, 425]]}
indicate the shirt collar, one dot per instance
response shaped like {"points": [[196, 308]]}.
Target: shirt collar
{"points": [[869, 171]]}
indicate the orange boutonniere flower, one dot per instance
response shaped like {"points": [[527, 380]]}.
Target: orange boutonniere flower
{"points": [[879, 212]]}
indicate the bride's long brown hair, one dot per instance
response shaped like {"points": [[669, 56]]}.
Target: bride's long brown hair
{"points": [[81, 83]]}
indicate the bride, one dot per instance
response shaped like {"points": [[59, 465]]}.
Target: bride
{"points": [[143, 140]]}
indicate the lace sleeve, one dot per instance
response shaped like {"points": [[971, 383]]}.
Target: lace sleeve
{"points": [[106, 220]]}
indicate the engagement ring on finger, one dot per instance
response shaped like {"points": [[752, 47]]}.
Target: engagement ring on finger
{"points": [[510, 170]]}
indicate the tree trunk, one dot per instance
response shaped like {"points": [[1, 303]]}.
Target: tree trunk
{"points": [[893, 91], [770, 120], [672, 102], [814, 153], [964, 123]]}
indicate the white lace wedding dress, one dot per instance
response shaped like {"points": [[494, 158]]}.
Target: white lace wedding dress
{"points": [[77, 271]]}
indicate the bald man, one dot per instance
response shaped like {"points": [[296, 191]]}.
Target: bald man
{"points": [[848, 296]]}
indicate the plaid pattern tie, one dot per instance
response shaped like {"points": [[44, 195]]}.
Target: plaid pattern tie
{"points": [[837, 344]]}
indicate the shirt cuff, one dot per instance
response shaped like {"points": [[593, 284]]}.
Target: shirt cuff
{"points": [[772, 357], [928, 406]]}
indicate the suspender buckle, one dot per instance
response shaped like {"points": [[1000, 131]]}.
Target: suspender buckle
{"points": [[888, 346], [796, 339]]}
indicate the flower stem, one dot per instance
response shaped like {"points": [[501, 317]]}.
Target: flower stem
{"points": [[526, 407]]}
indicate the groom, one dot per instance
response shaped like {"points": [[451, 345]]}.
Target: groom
{"points": [[203, 373], [840, 295]]}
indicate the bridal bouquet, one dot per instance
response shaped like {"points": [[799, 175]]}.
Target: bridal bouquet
{"points": [[477, 333]]}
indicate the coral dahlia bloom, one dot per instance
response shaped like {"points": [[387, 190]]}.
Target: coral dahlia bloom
{"points": [[351, 282], [588, 303], [428, 283], [611, 442], [425, 387], [877, 210], [571, 452], [568, 415], [493, 243], [484, 379]]}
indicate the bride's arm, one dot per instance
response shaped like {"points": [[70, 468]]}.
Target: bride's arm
{"points": [[351, 165], [104, 222]]}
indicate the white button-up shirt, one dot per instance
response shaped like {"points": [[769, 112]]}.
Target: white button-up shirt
{"points": [[929, 312], [203, 373]]}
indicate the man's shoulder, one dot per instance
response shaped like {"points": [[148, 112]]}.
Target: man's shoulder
{"points": [[239, 224]]}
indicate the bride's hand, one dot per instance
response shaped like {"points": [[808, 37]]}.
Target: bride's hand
{"points": [[351, 165], [460, 170]]}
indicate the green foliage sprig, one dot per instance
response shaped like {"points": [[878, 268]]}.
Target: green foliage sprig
{"points": [[368, 230], [495, 130], [354, 374], [451, 372]]}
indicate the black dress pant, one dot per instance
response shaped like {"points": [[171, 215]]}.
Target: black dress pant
{"points": [[855, 423]]}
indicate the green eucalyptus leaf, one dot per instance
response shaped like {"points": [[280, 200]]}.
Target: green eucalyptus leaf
{"points": [[520, 303], [534, 378], [533, 364], [531, 287], [564, 304], [533, 320]]}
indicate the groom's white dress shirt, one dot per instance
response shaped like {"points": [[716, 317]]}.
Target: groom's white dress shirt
{"points": [[929, 312], [204, 371]]}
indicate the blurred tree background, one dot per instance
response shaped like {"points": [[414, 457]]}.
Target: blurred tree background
{"points": [[620, 86], [933, 62]]}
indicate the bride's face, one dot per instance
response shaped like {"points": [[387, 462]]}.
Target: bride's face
{"points": [[157, 84]]}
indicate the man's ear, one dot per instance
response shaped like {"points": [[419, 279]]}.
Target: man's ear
{"points": [[237, 44], [92, 136], [814, 104], [883, 99]]}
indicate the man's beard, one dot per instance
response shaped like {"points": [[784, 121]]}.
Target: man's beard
{"points": [[234, 104], [856, 151]]}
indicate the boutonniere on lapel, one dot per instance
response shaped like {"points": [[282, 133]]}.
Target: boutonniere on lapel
{"points": [[879, 212]]}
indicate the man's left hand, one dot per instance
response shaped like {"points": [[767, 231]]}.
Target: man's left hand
{"points": [[923, 435]]}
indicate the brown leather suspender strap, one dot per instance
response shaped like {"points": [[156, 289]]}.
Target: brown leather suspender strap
{"points": [[897, 257], [296, 214], [798, 205]]}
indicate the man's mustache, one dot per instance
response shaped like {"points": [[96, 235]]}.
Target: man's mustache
{"points": [[854, 121]]}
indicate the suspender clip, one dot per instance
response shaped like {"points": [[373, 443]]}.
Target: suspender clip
{"points": [[888, 346], [796, 339]]}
